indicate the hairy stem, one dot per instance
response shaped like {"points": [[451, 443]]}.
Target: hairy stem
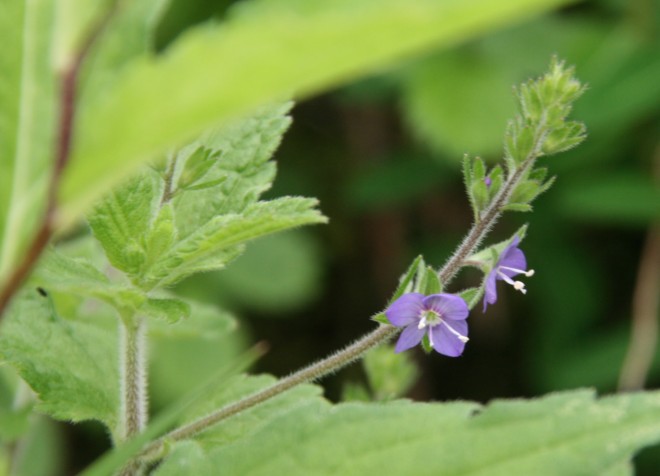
{"points": [[168, 192], [133, 350], [67, 102], [376, 337], [308, 374]]}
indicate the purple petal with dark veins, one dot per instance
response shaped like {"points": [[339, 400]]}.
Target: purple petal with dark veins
{"points": [[405, 310], [449, 306], [410, 337], [445, 341]]}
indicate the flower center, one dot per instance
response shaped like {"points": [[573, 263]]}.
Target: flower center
{"points": [[517, 285], [429, 318]]}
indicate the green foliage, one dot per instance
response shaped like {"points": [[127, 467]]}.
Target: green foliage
{"points": [[390, 375], [549, 436], [333, 43], [165, 225], [26, 120], [71, 365]]}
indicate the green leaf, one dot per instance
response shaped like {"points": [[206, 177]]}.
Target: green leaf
{"points": [[58, 272], [271, 49], [71, 365], [217, 242], [27, 111], [242, 170], [122, 220], [390, 375], [406, 280], [429, 282], [170, 310], [625, 198], [450, 96], [516, 207], [292, 256], [565, 433]]}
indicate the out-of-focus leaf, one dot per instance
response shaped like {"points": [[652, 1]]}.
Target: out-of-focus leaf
{"points": [[624, 198], [277, 273], [271, 50], [458, 103], [27, 89]]}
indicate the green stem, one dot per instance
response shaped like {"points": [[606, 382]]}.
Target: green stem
{"points": [[133, 377]]}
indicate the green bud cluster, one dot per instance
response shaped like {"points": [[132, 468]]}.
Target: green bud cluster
{"points": [[540, 129]]}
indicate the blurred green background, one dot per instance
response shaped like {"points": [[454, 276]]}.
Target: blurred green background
{"points": [[383, 157]]}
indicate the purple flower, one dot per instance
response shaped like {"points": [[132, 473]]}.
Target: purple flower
{"points": [[488, 181], [441, 315], [512, 262]]}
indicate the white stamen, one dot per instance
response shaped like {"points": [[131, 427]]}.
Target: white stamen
{"points": [[422, 323], [519, 286], [461, 337], [529, 273]]}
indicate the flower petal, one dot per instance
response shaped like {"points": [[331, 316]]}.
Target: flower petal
{"points": [[410, 337], [512, 257], [449, 306], [490, 289], [447, 342], [405, 310]]}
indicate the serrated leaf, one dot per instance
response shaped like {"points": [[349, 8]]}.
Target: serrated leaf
{"points": [[334, 42], [122, 219], [27, 112], [566, 433], [212, 245], [242, 170], [71, 365]]}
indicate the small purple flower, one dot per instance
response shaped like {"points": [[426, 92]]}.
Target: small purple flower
{"points": [[441, 315], [488, 181], [512, 262]]}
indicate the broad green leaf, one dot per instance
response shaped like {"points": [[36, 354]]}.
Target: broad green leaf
{"points": [[219, 241], [71, 365], [565, 433], [27, 112], [271, 49]]}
